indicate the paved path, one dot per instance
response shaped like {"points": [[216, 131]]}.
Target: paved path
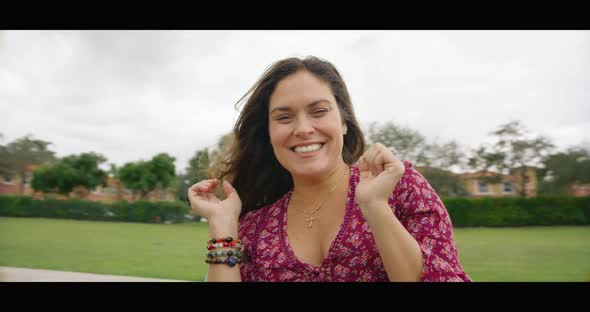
{"points": [[12, 274]]}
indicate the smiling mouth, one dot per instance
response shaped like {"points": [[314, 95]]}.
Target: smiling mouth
{"points": [[308, 148]]}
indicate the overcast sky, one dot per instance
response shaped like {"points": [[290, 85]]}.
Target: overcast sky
{"points": [[132, 94]]}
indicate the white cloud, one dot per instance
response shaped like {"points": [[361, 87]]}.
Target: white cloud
{"points": [[132, 94]]}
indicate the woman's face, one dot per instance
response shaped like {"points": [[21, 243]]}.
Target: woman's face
{"points": [[305, 126]]}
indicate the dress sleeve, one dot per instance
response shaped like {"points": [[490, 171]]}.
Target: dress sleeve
{"points": [[422, 213]]}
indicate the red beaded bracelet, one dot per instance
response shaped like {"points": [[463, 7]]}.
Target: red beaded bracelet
{"points": [[228, 239], [221, 245]]}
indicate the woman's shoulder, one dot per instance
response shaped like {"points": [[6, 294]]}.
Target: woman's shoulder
{"points": [[412, 178]]}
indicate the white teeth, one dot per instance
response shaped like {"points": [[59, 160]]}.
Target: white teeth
{"points": [[307, 149]]}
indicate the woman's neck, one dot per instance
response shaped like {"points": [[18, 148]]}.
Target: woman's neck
{"points": [[311, 189]]}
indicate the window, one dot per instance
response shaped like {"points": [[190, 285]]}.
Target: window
{"points": [[483, 187], [508, 187]]}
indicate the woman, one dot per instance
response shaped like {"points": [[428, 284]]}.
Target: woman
{"points": [[306, 202]]}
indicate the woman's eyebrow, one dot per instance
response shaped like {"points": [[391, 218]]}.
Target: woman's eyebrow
{"points": [[310, 105]]}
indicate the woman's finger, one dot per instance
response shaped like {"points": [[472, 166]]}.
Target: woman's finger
{"points": [[196, 185], [379, 162], [362, 163], [371, 154], [203, 187], [205, 184]]}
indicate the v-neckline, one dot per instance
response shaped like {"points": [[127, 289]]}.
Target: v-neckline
{"points": [[347, 216]]}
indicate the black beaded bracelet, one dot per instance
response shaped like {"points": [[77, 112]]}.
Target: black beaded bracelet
{"points": [[231, 261]]}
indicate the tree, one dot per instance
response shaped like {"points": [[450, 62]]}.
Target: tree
{"points": [[437, 160], [196, 171], [409, 144], [18, 155], [443, 156], [444, 182], [4, 164], [56, 178], [113, 169], [4, 168], [198, 166], [162, 167], [483, 160], [512, 152], [144, 177], [434, 159], [70, 172], [563, 169], [137, 177]]}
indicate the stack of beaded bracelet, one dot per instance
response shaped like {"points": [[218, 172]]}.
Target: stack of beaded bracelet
{"points": [[232, 256]]}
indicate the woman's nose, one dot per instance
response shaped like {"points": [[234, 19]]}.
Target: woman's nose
{"points": [[303, 127]]}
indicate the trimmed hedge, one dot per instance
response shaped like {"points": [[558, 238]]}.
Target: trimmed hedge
{"points": [[140, 211], [464, 212], [516, 211]]}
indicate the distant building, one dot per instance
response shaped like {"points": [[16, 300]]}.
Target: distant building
{"points": [[10, 185], [579, 190], [509, 185]]}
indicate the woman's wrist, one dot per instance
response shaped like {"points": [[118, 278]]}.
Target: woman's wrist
{"points": [[223, 227], [372, 208]]}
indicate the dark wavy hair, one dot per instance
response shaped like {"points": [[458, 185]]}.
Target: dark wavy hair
{"points": [[250, 164]]}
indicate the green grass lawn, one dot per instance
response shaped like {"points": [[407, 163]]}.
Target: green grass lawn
{"points": [[133, 249], [525, 254], [176, 251]]}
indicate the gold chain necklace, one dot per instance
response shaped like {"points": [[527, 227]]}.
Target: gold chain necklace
{"points": [[312, 213]]}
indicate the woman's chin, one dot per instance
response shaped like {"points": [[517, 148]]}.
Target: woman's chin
{"points": [[309, 170]]}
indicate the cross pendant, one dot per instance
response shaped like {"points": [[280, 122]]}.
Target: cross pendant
{"points": [[310, 220]]}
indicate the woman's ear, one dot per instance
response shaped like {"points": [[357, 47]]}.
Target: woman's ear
{"points": [[344, 129]]}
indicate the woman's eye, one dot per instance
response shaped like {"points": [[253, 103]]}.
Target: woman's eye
{"points": [[320, 111], [283, 117]]}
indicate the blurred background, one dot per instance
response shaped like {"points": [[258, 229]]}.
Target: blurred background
{"points": [[102, 132]]}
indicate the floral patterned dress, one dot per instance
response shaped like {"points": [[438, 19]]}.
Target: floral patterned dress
{"points": [[353, 255]]}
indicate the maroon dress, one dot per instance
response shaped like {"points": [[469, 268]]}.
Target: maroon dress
{"points": [[353, 255]]}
